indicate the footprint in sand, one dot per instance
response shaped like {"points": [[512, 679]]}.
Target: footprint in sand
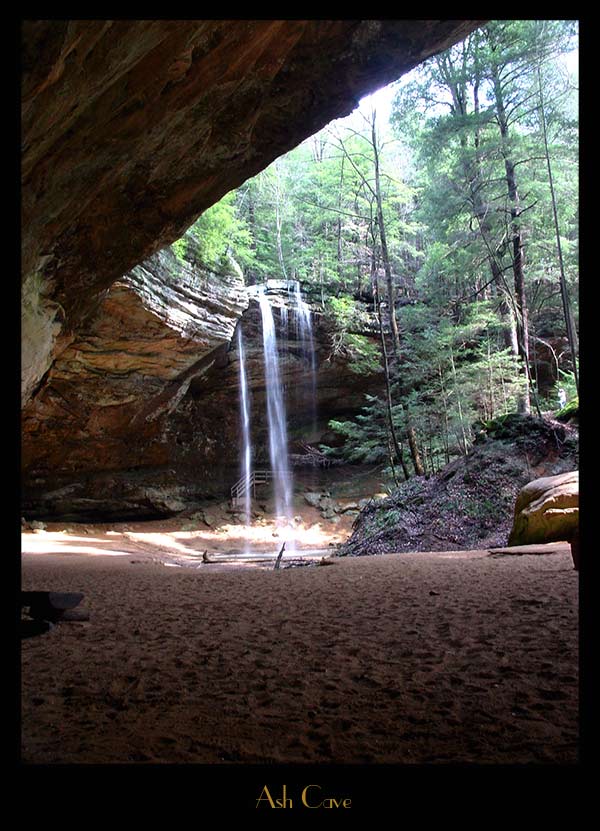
{"points": [[392, 693], [553, 695], [364, 680], [543, 707]]}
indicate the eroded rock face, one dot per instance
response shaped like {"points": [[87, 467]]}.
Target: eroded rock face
{"points": [[547, 510], [94, 435], [131, 129]]}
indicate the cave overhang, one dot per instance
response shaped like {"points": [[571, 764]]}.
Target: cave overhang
{"points": [[132, 128]]}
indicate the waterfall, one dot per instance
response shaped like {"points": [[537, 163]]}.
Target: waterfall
{"points": [[276, 404], [245, 419], [277, 420], [284, 330], [304, 332], [283, 317]]}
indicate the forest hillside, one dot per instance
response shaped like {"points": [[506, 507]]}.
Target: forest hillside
{"points": [[470, 503]]}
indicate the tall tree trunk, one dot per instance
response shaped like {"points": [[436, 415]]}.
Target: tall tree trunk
{"points": [[490, 380], [524, 405], [392, 429], [446, 435], [480, 211], [279, 223], [461, 417], [571, 334], [455, 80], [411, 434], [340, 270], [414, 447], [251, 275], [321, 281], [384, 248]]}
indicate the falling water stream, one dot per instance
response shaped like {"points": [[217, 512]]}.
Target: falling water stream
{"points": [[277, 421], [304, 332], [246, 445], [283, 317], [276, 408]]}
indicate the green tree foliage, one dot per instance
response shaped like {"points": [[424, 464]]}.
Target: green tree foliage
{"points": [[218, 233], [351, 318], [449, 115]]}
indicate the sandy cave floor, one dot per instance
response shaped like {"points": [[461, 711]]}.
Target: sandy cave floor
{"points": [[445, 657]]}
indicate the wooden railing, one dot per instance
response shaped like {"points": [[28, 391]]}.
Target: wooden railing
{"points": [[246, 483]]}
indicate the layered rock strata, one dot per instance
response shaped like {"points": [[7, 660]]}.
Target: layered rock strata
{"points": [[94, 435]]}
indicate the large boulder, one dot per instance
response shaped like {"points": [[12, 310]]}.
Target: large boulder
{"points": [[547, 510]]}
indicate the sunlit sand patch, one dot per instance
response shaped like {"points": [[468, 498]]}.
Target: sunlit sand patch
{"points": [[269, 534], [58, 543], [244, 543], [223, 544]]}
